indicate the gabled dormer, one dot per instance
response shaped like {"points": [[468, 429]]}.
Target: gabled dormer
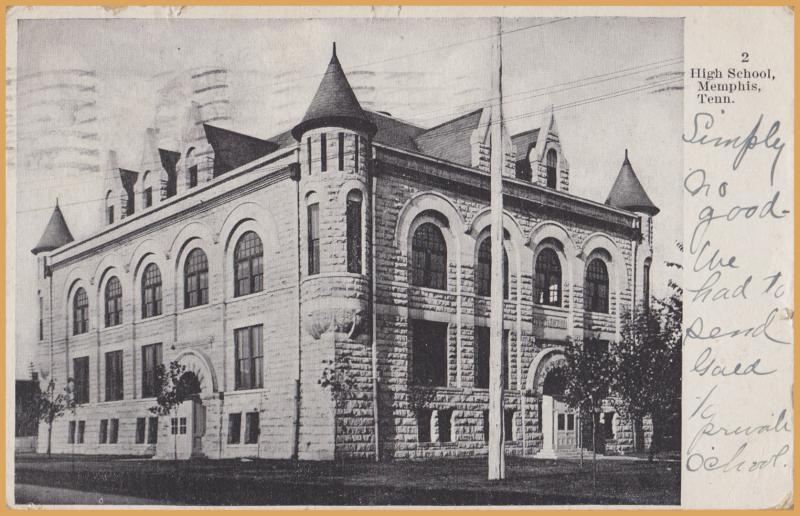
{"points": [[539, 157], [151, 189]]}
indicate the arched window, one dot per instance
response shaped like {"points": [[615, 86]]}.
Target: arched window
{"points": [[429, 257], [354, 232], [195, 279], [646, 285], [191, 168], [248, 265], [110, 207], [483, 270], [552, 175], [547, 283], [113, 302], [151, 291], [80, 312], [596, 287], [147, 190]]}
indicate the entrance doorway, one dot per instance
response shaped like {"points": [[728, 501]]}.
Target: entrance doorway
{"points": [[191, 421], [560, 423]]}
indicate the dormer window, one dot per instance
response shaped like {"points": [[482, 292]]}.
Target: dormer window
{"points": [[148, 197], [109, 208], [192, 176], [552, 174]]}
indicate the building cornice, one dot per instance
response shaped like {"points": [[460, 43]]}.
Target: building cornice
{"points": [[189, 204], [516, 191]]}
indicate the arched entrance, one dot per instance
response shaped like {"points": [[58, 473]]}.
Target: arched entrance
{"points": [[185, 427], [559, 423], [563, 429], [190, 387]]}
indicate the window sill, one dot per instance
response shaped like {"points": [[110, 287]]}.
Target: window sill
{"points": [[193, 308], [107, 329], [438, 445], [152, 318], [244, 297]]}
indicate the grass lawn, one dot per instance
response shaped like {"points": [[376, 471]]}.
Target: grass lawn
{"points": [[430, 482]]}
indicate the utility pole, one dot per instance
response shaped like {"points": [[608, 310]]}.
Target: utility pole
{"points": [[497, 467]]}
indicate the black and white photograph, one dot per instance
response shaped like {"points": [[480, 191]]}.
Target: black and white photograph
{"points": [[347, 260]]}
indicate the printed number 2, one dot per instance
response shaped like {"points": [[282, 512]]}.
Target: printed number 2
{"points": [[745, 57]]}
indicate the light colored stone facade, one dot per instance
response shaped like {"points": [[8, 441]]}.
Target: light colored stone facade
{"points": [[358, 325]]}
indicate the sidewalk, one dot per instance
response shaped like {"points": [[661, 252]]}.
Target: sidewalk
{"points": [[433, 482]]}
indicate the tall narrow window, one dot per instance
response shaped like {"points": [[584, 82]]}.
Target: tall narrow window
{"points": [[152, 430], [103, 434], [313, 239], [249, 357], [252, 428], [596, 287], [141, 425], [71, 433], [113, 431], [151, 359], [552, 174], [192, 176], [646, 285], [113, 302], [483, 270], [109, 207], [341, 151], [308, 154], [429, 257], [354, 232], [81, 432], [323, 152], [481, 355], [429, 353], [547, 282], [41, 318], [114, 376], [195, 279], [148, 197], [80, 312], [151, 291], [80, 372], [355, 152], [234, 428], [248, 265]]}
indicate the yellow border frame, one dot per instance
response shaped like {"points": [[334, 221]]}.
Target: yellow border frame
{"points": [[793, 4]]}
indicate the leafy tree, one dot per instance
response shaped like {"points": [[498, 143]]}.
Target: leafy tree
{"points": [[648, 364], [173, 389], [589, 372], [49, 406]]}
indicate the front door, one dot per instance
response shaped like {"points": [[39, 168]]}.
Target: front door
{"points": [[566, 426]]}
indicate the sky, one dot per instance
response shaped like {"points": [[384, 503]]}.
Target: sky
{"points": [[610, 81]]}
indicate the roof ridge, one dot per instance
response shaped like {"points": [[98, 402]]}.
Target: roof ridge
{"points": [[459, 117]]}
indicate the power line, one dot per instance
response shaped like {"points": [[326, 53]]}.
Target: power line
{"points": [[561, 107]]}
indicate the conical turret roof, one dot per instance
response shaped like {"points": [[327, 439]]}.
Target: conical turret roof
{"points": [[334, 104], [628, 193], [56, 233]]}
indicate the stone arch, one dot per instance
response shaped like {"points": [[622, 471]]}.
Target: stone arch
{"points": [[200, 364], [598, 245], [69, 295], [418, 205], [544, 362], [148, 252], [515, 238], [190, 231], [248, 211], [553, 235]]}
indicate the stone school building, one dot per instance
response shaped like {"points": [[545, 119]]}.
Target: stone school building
{"points": [[327, 291]]}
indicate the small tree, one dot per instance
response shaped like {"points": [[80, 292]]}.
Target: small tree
{"points": [[49, 406], [648, 363], [171, 392], [589, 371]]}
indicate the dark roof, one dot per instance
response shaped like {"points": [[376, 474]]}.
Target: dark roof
{"points": [[232, 149], [450, 141], [56, 233], [128, 178], [395, 133], [523, 142], [334, 104], [628, 193], [169, 160]]}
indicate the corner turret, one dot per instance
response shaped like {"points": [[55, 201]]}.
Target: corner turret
{"points": [[628, 193], [56, 233]]}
